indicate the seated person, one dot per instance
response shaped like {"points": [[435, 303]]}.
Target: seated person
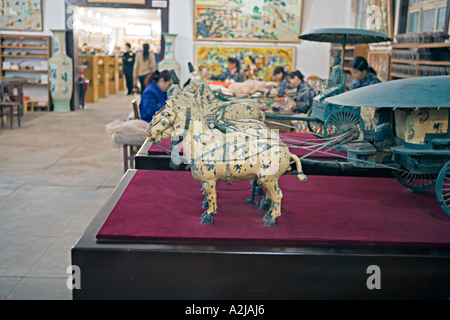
{"points": [[233, 72], [281, 79], [364, 75], [303, 100], [154, 96]]}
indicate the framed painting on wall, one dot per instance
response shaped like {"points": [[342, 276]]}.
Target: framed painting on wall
{"points": [[257, 63], [21, 15], [380, 61], [249, 20], [376, 15]]}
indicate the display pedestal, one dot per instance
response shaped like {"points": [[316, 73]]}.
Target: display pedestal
{"points": [[120, 257], [151, 157]]}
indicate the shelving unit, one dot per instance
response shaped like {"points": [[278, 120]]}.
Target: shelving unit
{"points": [[91, 73], [416, 60], [26, 57], [103, 71], [351, 51], [113, 63]]}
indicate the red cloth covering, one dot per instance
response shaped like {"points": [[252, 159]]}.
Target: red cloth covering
{"points": [[167, 206], [301, 139]]}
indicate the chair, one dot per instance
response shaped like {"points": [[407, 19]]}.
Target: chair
{"points": [[136, 110], [313, 81], [12, 99], [131, 146]]}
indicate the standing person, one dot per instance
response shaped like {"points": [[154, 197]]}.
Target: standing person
{"points": [[144, 65], [154, 96], [128, 65], [362, 73], [305, 94]]}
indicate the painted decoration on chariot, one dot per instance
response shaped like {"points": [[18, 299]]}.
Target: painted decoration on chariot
{"points": [[249, 20], [257, 63], [413, 125], [21, 15]]}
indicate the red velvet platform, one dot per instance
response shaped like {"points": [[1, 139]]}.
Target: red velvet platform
{"points": [[290, 138], [167, 206]]}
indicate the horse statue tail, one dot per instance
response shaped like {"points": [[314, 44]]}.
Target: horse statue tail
{"points": [[262, 116], [301, 176]]}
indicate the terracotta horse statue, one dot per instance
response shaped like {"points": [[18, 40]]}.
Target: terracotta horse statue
{"points": [[232, 110], [234, 155]]}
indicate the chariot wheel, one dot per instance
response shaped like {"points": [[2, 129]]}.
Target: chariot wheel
{"points": [[443, 188], [341, 121], [315, 126], [416, 182]]}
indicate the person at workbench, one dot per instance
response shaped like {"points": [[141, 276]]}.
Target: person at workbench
{"points": [[154, 96], [233, 72], [280, 75], [304, 96], [363, 74]]}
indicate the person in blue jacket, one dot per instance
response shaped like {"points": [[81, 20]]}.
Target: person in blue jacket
{"points": [[154, 96]]}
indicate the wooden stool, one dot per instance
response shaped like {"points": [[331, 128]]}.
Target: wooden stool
{"points": [[28, 106], [12, 99], [11, 106]]}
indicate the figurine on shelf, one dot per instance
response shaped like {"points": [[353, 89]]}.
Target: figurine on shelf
{"points": [[84, 49], [336, 78]]}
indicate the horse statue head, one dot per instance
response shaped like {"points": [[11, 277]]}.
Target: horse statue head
{"points": [[161, 126]]}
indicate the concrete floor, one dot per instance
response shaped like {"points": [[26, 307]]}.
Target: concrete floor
{"points": [[56, 171]]}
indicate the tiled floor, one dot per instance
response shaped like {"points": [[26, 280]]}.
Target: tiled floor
{"points": [[56, 171]]}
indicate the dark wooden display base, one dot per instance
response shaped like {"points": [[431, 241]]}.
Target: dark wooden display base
{"points": [[161, 161], [222, 271]]}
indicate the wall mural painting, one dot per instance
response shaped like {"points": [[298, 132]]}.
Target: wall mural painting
{"points": [[379, 16], [380, 61], [257, 63], [21, 15], [249, 20]]}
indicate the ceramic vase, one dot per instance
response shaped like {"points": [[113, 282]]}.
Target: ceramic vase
{"points": [[169, 62], [61, 73]]}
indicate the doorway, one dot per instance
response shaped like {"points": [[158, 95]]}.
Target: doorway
{"points": [[102, 30], [100, 35], [105, 28]]}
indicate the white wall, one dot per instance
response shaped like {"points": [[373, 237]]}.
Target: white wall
{"points": [[312, 57]]}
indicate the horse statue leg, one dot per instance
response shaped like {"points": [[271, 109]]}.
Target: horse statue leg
{"points": [[265, 202], [211, 197], [276, 195]]}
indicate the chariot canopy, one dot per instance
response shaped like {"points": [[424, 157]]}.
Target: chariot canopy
{"points": [[345, 36], [421, 92]]}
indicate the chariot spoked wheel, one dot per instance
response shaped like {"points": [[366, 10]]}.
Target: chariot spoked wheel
{"points": [[443, 188], [315, 126], [416, 182], [341, 121]]}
